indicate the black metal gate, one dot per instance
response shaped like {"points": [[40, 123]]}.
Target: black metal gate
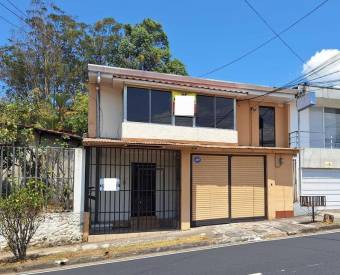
{"points": [[149, 194]]}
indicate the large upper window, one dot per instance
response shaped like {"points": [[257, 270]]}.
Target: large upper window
{"points": [[154, 106], [138, 103], [144, 105], [332, 127], [267, 126], [215, 112]]}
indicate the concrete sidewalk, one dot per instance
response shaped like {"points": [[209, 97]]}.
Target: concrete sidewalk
{"points": [[128, 245]]}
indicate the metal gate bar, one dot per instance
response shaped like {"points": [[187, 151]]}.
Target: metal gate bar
{"points": [[148, 198]]}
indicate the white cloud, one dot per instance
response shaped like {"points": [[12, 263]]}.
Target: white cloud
{"points": [[330, 73]]}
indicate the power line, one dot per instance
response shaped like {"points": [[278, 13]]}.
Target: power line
{"points": [[13, 12], [274, 32], [261, 45], [25, 21], [300, 79], [310, 80], [8, 22], [16, 7]]}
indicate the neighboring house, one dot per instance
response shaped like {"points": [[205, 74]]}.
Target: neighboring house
{"points": [[319, 139], [54, 138], [166, 151]]}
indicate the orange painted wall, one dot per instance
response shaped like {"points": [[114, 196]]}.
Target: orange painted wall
{"points": [[248, 122]]}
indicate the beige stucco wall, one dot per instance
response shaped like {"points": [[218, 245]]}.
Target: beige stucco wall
{"points": [[92, 111], [248, 122], [111, 113], [280, 185], [185, 189], [141, 130]]}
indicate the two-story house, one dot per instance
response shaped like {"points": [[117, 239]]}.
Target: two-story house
{"points": [[318, 136], [167, 151]]}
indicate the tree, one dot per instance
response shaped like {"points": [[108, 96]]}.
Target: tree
{"points": [[44, 64], [20, 216], [145, 46]]}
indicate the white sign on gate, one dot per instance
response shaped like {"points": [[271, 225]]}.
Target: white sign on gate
{"points": [[109, 184]]}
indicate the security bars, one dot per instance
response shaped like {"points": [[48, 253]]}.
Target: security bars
{"points": [[149, 194]]}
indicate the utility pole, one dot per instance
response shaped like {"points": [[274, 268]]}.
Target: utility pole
{"points": [[301, 93]]}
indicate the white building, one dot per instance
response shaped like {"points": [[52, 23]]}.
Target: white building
{"points": [[319, 140]]}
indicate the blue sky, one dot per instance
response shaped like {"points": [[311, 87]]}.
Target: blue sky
{"points": [[206, 34]]}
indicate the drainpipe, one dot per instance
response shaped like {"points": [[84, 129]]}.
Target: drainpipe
{"points": [[98, 109]]}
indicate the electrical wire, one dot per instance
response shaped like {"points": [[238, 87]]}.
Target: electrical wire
{"points": [[16, 7], [264, 43], [274, 32], [49, 38], [299, 80], [8, 22]]}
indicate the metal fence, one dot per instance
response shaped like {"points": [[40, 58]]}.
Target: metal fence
{"points": [[149, 194], [51, 165]]}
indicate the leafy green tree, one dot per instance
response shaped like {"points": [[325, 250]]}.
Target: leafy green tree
{"points": [[76, 117], [44, 63]]}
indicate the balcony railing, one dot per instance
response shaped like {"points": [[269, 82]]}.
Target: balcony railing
{"points": [[309, 139]]}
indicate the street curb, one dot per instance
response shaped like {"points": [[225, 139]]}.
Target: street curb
{"points": [[209, 242]]}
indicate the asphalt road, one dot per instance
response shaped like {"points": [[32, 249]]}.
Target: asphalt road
{"points": [[317, 254]]}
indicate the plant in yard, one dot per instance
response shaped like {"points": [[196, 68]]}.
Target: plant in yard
{"points": [[20, 216]]}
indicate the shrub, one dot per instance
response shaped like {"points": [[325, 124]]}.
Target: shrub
{"points": [[20, 216]]}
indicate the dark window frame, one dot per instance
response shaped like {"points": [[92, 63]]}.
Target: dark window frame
{"points": [[215, 112], [149, 92], [173, 116], [261, 142]]}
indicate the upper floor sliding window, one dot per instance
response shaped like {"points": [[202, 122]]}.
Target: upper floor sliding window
{"points": [[215, 112], [144, 105], [154, 106]]}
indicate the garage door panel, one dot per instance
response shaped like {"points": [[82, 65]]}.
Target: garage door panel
{"points": [[210, 188], [247, 187], [322, 182]]}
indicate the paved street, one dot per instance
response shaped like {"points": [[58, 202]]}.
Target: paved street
{"points": [[318, 254]]}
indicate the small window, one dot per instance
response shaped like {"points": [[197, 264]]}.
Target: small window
{"points": [[224, 113], [205, 115], [160, 107], [184, 121], [138, 105], [267, 126]]}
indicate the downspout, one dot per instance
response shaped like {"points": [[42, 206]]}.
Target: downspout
{"points": [[98, 120]]}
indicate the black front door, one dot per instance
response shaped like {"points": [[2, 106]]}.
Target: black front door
{"points": [[143, 189]]}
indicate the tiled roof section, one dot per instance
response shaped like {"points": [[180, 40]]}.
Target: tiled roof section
{"points": [[102, 142], [179, 80]]}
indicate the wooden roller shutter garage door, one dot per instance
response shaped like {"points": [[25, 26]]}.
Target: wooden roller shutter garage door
{"points": [[247, 187], [209, 189]]}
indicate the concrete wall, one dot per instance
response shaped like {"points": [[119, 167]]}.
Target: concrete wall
{"points": [[140, 130], [56, 229], [320, 158], [248, 123], [65, 227]]}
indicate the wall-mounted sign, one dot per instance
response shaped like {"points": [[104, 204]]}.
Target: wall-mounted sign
{"points": [[184, 104], [109, 184], [306, 101], [197, 159]]}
